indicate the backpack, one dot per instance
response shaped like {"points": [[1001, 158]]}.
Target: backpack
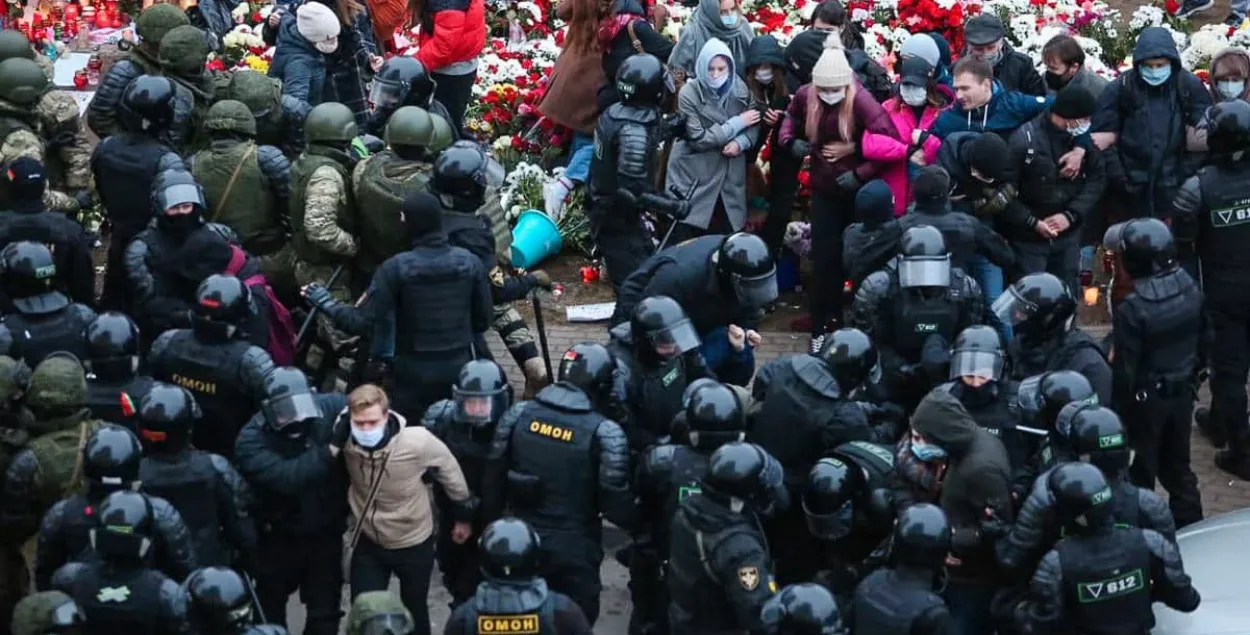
{"points": [[871, 75], [282, 333]]}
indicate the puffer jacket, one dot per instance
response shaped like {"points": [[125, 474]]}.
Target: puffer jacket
{"points": [[300, 66], [452, 31], [869, 117], [896, 152], [1006, 111], [102, 111]]}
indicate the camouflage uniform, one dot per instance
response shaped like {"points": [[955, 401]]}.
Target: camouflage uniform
{"points": [[22, 85], [279, 118], [14, 575], [137, 59], [184, 51], [371, 604], [69, 167], [34, 615]]}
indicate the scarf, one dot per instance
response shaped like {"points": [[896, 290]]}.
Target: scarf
{"points": [[924, 477], [705, 24]]}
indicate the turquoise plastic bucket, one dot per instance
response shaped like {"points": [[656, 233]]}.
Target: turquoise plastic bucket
{"points": [[534, 238]]}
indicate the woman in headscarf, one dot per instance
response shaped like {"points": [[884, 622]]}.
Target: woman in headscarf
{"points": [[719, 19]]}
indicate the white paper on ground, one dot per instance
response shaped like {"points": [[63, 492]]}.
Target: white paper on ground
{"points": [[599, 312], [66, 65]]}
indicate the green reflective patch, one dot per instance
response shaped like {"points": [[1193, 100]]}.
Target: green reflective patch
{"points": [[922, 327], [1111, 588], [1239, 214], [1101, 497], [1111, 441], [685, 491]]}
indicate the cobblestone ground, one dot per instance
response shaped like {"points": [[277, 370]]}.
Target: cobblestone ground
{"points": [[1219, 493]]}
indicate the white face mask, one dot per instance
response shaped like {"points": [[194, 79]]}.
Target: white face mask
{"points": [[368, 438], [328, 46], [913, 95], [1231, 88], [1079, 129], [717, 82], [764, 75], [833, 97]]}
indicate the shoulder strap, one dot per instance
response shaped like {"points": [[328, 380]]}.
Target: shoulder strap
{"points": [[230, 185], [373, 495], [633, 38]]}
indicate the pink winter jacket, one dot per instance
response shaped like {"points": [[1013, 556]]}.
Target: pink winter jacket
{"points": [[893, 153]]}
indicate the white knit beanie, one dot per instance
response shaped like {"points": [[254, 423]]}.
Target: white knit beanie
{"points": [[316, 22], [832, 70]]}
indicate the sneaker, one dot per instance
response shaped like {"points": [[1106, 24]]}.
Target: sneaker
{"points": [[818, 342], [1235, 20], [1194, 6], [555, 194]]}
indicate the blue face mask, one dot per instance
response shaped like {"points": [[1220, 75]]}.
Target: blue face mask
{"points": [[729, 20], [1155, 76], [927, 453]]}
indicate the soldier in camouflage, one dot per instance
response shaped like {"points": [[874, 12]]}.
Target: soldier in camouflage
{"points": [[184, 52], [379, 612], [22, 85], [137, 59], [14, 432], [248, 188], [47, 613], [279, 118], [65, 140]]}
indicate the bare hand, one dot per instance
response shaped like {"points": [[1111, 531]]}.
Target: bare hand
{"points": [[772, 117], [753, 338], [1070, 163], [1044, 230], [837, 150], [275, 17], [917, 158], [751, 117], [460, 532], [375, 62], [737, 337], [1058, 223], [731, 149]]}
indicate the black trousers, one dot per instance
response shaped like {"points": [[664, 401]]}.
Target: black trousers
{"points": [[784, 186], [372, 567], [314, 567], [424, 378], [623, 243], [571, 566], [648, 592], [795, 551], [458, 563], [1159, 430], [454, 92], [829, 217], [1230, 364]]}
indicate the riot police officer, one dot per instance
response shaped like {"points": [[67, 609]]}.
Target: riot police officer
{"points": [[567, 464], [203, 487], [1039, 401], [48, 613], [846, 503], [104, 116], [215, 363], [110, 462], [1042, 312], [719, 571], [218, 602], [801, 609], [622, 170], [28, 218], [279, 118], [301, 500], [713, 415], [44, 320], [402, 81], [978, 379], [511, 554], [1205, 218], [723, 283], [125, 166], [902, 599], [807, 412], [660, 350], [112, 364], [913, 313], [466, 425], [118, 592], [1115, 573], [1095, 435]]}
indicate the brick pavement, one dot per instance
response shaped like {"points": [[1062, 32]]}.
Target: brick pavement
{"points": [[1219, 492]]}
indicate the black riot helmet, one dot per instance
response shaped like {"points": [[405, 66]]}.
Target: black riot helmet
{"points": [[661, 330], [1039, 306], [147, 105], [833, 487], [922, 538], [1082, 498], [978, 352], [223, 304], [178, 202], [851, 358], [123, 531], [1041, 397], [29, 278], [482, 394], [290, 405], [1145, 246], [509, 550], [641, 81], [167, 415], [744, 264], [218, 601], [924, 260], [714, 415], [462, 175], [1230, 128], [110, 458], [743, 475], [801, 609], [590, 367], [112, 346], [1095, 435], [402, 81]]}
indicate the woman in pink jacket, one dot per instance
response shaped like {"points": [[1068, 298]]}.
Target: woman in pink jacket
{"points": [[913, 111]]}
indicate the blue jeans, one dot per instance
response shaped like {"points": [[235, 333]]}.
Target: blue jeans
{"points": [[969, 605], [730, 366], [583, 149], [990, 277]]}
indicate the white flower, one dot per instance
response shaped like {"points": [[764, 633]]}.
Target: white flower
{"points": [[241, 10], [502, 143], [1145, 16], [536, 13]]}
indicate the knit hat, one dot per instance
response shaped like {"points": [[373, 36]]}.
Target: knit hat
{"points": [[931, 185], [26, 179], [874, 203], [832, 70], [922, 46], [989, 155], [317, 23], [1074, 102], [423, 214]]}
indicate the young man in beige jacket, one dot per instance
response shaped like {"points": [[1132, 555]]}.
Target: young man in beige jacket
{"points": [[386, 462]]}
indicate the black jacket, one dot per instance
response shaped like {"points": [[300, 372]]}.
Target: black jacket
{"points": [[299, 489], [967, 193], [620, 47], [102, 111], [1161, 337], [152, 270], [1075, 350], [71, 246], [1017, 72], [1034, 168], [965, 237], [472, 232], [805, 49]]}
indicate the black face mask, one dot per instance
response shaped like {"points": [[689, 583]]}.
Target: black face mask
{"points": [[980, 395], [1056, 82], [179, 224]]}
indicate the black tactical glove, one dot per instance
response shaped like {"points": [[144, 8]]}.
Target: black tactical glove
{"points": [[935, 358], [341, 432], [378, 371], [887, 412], [848, 182], [799, 148], [83, 199], [672, 126], [318, 296], [996, 202]]}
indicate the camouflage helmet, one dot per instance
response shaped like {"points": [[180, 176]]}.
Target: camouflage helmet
{"points": [[378, 607], [229, 115], [260, 93], [14, 376], [46, 612], [443, 135], [330, 122], [157, 20], [22, 82], [184, 51], [410, 126], [58, 383], [14, 44]]}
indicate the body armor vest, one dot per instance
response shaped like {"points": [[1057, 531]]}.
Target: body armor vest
{"points": [[211, 372], [119, 601], [1106, 580], [238, 194], [301, 171], [383, 185], [887, 604], [554, 470], [60, 470], [190, 485], [35, 337]]}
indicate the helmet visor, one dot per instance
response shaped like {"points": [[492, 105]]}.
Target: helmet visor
{"points": [[1013, 309], [386, 95], [387, 625], [1029, 398], [1111, 241], [66, 619], [756, 291], [180, 194], [925, 272], [478, 407], [287, 409], [674, 340], [493, 174], [832, 526], [984, 364]]}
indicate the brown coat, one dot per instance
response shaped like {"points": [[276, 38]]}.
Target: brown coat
{"points": [[572, 95]]}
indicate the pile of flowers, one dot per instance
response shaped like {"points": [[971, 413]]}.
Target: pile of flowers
{"points": [[244, 47]]}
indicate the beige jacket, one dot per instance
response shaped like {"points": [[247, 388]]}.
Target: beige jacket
{"points": [[401, 515]]}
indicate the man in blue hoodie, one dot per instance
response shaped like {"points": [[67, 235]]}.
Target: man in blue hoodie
{"points": [[982, 104]]}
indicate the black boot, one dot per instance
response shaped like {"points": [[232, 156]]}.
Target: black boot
{"points": [[1212, 430], [1236, 459]]}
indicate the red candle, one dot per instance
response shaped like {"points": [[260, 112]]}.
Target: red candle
{"points": [[80, 80], [37, 20], [71, 12]]}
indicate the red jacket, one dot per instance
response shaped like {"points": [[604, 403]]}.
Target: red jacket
{"points": [[456, 32], [869, 117]]}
